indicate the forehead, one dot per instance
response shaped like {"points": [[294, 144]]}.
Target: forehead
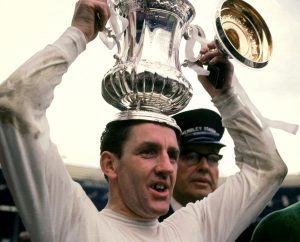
{"points": [[150, 132]]}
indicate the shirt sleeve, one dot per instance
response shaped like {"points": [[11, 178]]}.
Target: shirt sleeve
{"points": [[262, 170], [40, 185], [226, 212]]}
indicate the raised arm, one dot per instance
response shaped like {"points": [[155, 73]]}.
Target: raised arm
{"points": [[239, 201], [42, 189], [227, 211]]}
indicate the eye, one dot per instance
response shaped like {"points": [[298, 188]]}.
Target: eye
{"points": [[148, 153], [190, 157], [174, 156], [214, 158]]}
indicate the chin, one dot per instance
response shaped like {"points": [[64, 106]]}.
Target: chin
{"points": [[161, 210], [203, 192]]}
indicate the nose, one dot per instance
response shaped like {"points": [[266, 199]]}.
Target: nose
{"points": [[165, 165], [203, 165]]}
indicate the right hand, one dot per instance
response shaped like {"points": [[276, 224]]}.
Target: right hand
{"points": [[90, 17], [211, 55]]}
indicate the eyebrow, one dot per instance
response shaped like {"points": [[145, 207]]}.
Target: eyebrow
{"points": [[150, 144]]}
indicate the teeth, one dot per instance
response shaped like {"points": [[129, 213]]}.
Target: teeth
{"points": [[159, 187]]}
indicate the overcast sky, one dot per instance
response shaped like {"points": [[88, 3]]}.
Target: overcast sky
{"points": [[79, 113]]}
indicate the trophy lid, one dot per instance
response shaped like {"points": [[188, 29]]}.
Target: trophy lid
{"points": [[243, 33], [147, 116]]}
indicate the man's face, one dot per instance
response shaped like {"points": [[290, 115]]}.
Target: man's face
{"points": [[146, 172], [195, 180]]}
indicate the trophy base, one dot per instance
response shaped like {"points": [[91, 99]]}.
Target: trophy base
{"points": [[148, 116]]}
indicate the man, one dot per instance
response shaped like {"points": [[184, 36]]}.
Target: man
{"points": [[139, 159], [198, 172]]}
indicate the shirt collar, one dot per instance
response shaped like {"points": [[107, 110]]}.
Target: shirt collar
{"points": [[175, 205]]}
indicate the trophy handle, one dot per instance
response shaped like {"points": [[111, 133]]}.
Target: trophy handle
{"points": [[192, 35], [214, 73], [114, 28]]}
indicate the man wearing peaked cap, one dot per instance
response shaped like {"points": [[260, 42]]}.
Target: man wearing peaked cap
{"points": [[200, 126], [198, 171]]}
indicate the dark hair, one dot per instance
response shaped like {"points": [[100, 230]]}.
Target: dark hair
{"points": [[116, 134]]}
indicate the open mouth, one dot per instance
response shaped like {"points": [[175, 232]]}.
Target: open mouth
{"points": [[159, 187]]}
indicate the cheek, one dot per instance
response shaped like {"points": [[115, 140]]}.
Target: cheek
{"points": [[128, 175], [215, 175], [126, 181], [132, 175], [183, 174]]}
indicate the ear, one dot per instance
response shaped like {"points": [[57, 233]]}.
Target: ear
{"points": [[108, 162]]}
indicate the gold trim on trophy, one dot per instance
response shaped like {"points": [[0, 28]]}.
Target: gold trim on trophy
{"points": [[243, 34]]}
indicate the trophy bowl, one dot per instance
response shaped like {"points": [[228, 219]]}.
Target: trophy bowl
{"points": [[126, 87], [147, 74]]}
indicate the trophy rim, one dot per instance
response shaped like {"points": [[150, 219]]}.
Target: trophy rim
{"points": [[150, 116], [186, 16]]}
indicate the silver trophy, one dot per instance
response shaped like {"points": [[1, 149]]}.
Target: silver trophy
{"points": [[146, 81]]}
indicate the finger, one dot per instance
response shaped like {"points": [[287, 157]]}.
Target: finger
{"points": [[218, 59], [212, 45], [204, 50], [206, 57]]}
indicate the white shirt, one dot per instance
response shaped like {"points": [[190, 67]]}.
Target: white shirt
{"points": [[56, 209], [175, 205]]}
